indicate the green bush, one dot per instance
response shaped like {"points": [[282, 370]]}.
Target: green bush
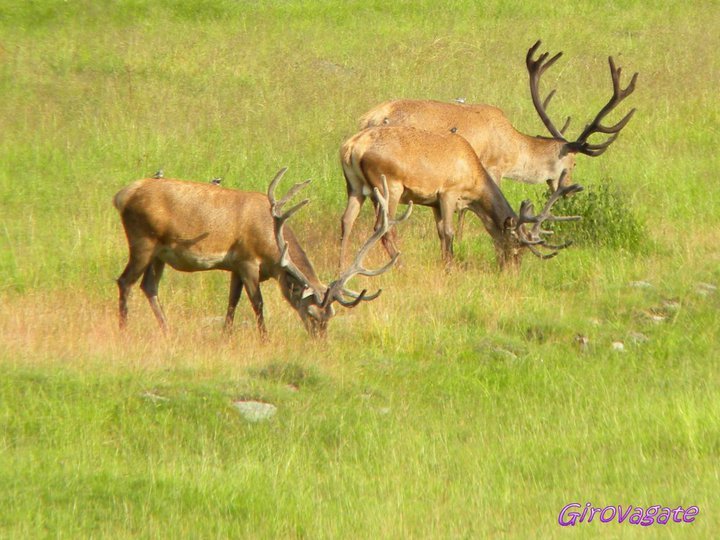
{"points": [[608, 219]]}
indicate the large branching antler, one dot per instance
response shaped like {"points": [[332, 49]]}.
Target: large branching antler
{"points": [[619, 94], [337, 291], [537, 67], [279, 219], [532, 239]]}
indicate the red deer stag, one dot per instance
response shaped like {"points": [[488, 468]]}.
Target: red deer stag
{"points": [[193, 227], [441, 171], [504, 151]]}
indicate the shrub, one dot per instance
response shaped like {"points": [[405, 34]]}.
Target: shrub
{"points": [[608, 219]]}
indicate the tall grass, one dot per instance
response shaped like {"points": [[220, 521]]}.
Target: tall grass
{"points": [[459, 404]]}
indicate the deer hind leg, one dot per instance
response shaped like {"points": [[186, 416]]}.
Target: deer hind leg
{"points": [[236, 286], [141, 254], [149, 285]]}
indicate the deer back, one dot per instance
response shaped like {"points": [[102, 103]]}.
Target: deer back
{"points": [[425, 163], [486, 128], [203, 226], [503, 150]]}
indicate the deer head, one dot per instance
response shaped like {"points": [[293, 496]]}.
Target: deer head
{"points": [[315, 304]]}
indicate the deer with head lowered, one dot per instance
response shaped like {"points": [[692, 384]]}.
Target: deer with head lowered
{"points": [[443, 172], [504, 151], [198, 226]]}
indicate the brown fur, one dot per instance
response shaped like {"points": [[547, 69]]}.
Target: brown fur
{"points": [[503, 151], [195, 227], [430, 169]]}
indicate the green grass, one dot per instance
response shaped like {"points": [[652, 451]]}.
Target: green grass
{"points": [[455, 405]]}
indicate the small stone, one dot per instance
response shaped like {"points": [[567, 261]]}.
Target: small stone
{"points": [[671, 305], [641, 284], [504, 352], [705, 289], [255, 411], [153, 397], [638, 337], [213, 321], [654, 317], [618, 346]]}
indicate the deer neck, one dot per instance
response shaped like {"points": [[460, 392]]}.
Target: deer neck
{"points": [[301, 261], [538, 160], [493, 209]]}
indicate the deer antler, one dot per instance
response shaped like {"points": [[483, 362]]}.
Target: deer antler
{"points": [[337, 290], [619, 94], [533, 238], [279, 220], [537, 67]]}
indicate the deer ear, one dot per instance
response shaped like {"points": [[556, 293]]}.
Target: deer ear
{"points": [[510, 223]]}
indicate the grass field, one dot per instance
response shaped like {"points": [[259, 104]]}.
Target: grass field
{"points": [[456, 405]]}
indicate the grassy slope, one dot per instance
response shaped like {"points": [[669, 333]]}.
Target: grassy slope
{"points": [[476, 416]]}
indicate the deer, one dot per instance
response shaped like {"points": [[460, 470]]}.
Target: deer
{"points": [[441, 171], [504, 151], [199, 226]]}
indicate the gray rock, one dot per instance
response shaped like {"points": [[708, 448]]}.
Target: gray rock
{"points": [[638, 337], [705, 289], [255, 411]]}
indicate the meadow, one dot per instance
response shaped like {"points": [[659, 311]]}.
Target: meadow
{"points": [[456, 405]]}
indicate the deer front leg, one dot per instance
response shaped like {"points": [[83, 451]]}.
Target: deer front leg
{"points": [[447, 213], [437, 214], [354, 204], [236, 286], [251, 281], [461, 223], [389, 239]]}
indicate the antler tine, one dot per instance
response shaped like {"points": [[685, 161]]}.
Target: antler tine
{"points": [[565, 126], [558, 194], [337, 287], [558, 247], [619, 94], [539, 254], [358, 298], [535, 70], [279, 220], [526, 214], [533, 238], [277, 206], [273, 184]]}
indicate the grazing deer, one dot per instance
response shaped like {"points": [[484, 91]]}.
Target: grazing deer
{"points": [[504, 151], [193, 227], [441, 171]]}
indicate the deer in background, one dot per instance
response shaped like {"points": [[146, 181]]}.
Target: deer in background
{"points": [[441, 171], [193, 227], [504, 151]]}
